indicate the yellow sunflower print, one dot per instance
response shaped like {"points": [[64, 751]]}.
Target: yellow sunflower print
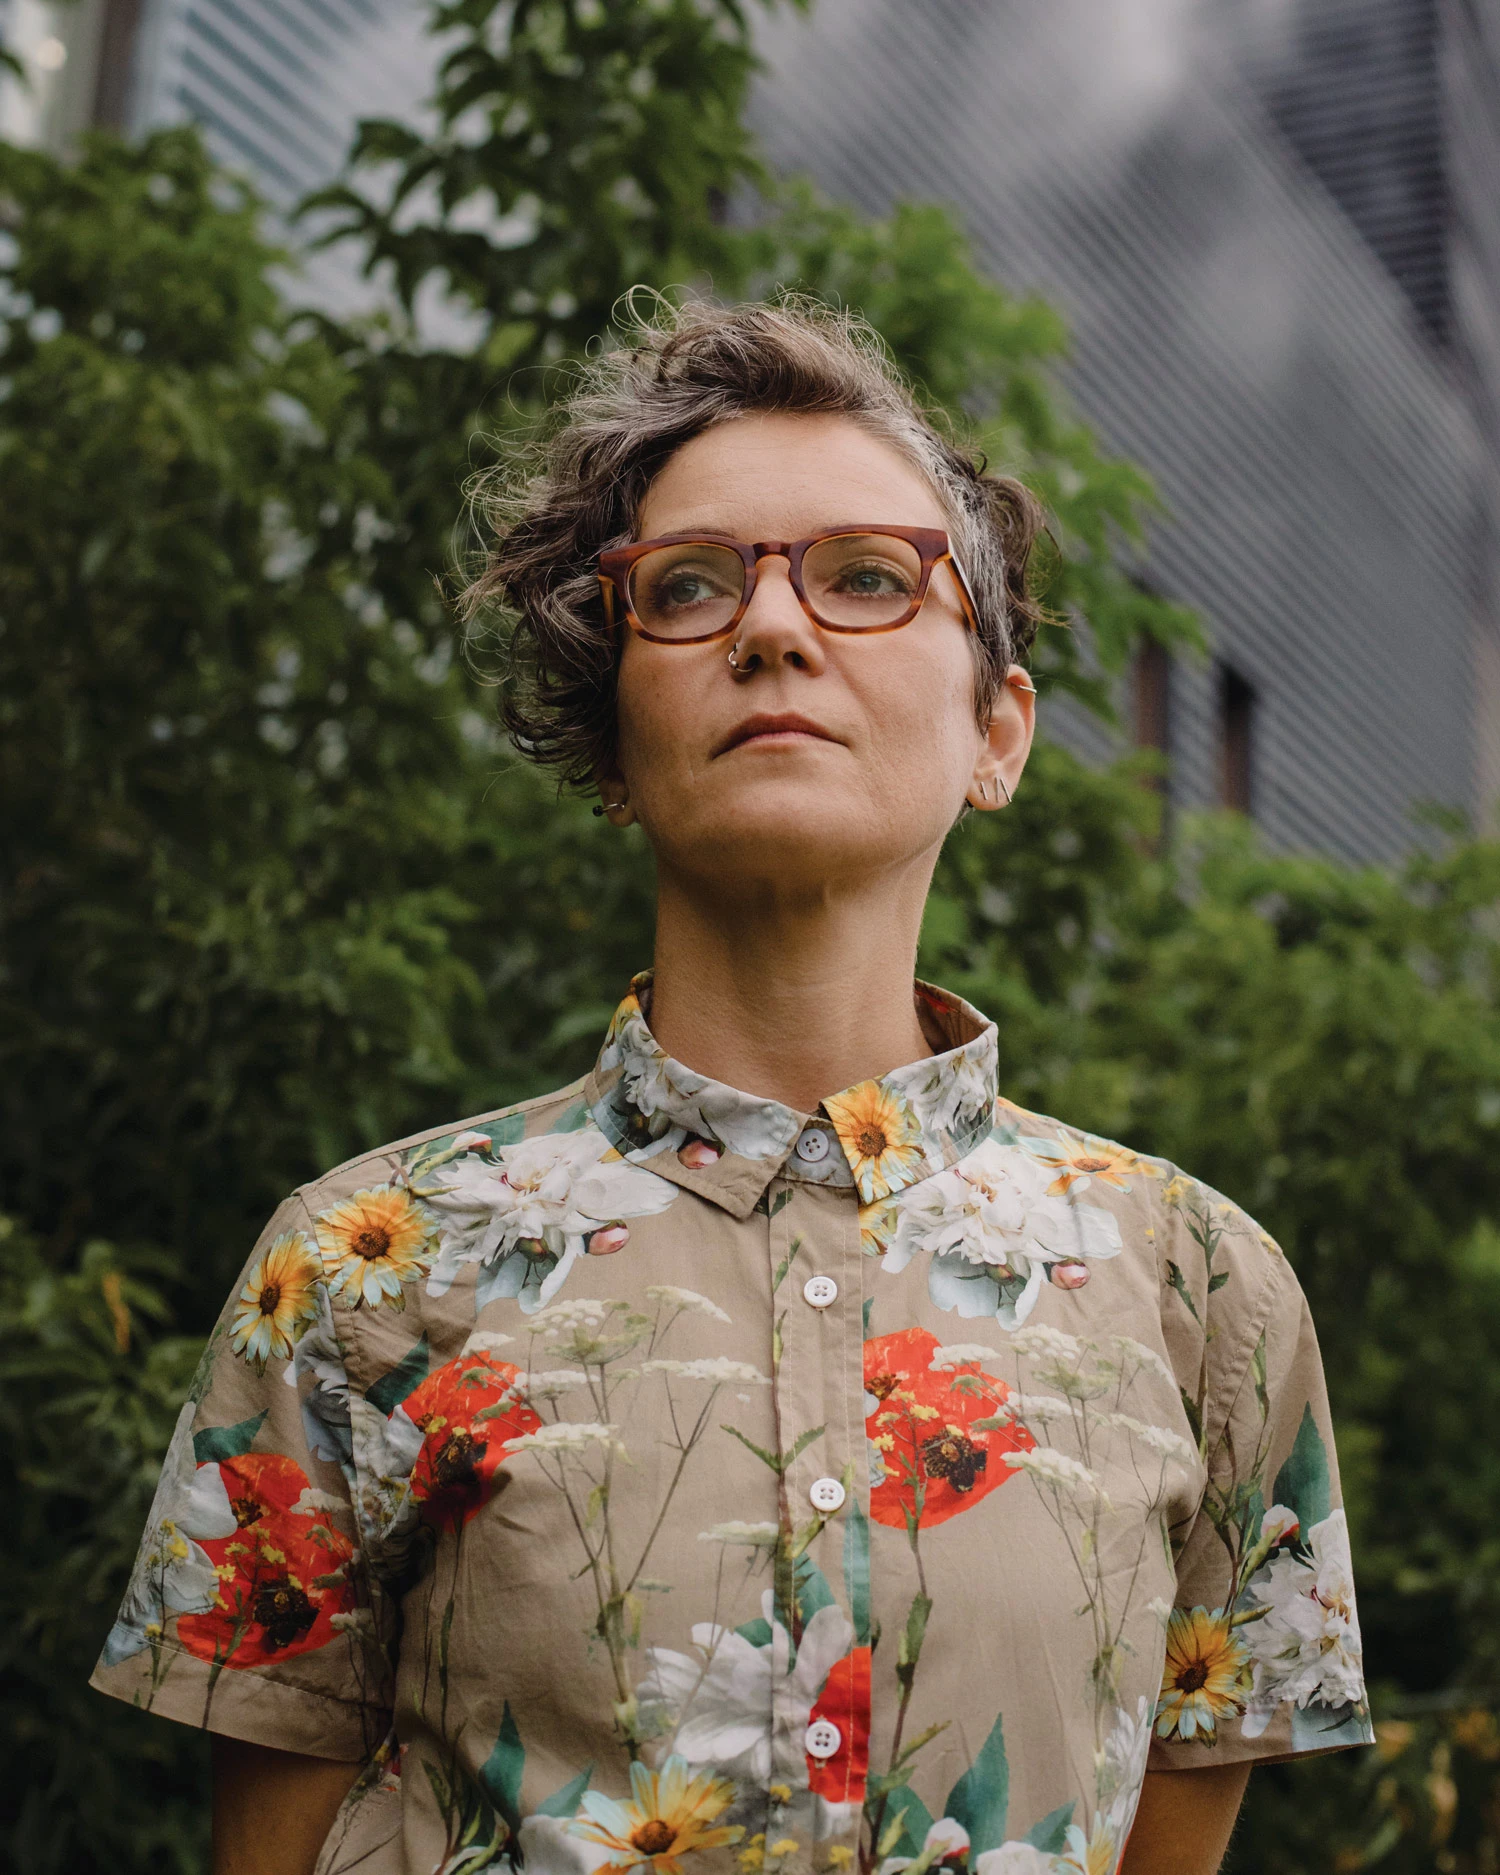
{"points": [[372, 1243], [881, 1138], [1081, 1162], [278, 1301], [669, 1814], [1205, 1678]]}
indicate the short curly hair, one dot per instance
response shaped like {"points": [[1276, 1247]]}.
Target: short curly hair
{"points": [[547, 513]]}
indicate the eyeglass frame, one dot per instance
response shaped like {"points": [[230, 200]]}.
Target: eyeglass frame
{"points": [[932, 543]]}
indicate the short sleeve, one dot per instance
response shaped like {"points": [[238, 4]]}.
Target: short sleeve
{"points": [[1263, 1656], [249, 1610]]}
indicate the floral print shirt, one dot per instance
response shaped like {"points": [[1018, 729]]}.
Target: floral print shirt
{"points": [[649, 1474]]}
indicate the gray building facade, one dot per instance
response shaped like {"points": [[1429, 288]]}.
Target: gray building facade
{"points": [[1257, 255]]}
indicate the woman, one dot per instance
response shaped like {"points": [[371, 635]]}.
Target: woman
{"points": [[776, 1451]]}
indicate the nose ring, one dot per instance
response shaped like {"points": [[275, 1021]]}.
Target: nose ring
{"points": [[740, 670]]}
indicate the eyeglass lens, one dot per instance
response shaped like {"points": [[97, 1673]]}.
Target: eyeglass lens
{"points": [[691, 589]]}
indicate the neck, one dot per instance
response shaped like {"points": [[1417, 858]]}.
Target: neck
{"points": [[789, 996]]}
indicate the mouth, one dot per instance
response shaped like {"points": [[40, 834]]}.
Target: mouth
{"points": [[774, 729]]}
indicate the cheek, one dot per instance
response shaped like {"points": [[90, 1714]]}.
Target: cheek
{"points": [[922, 715]]}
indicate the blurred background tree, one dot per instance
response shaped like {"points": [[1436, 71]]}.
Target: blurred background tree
{"points": [[273, 890]]}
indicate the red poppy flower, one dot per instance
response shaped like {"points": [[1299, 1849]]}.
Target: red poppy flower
{"points": [[937, 1462], [283, 1574], [454, 1475], [845, 1699]]}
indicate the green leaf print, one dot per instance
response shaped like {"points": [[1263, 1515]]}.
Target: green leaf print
{"points": [[857, 1571], [500, 1774], [812, 1587], [1302, 1483], [909, 1823], [574, 1120], [1051, 1834], [981, 1797], [216, 1442], [565, 1802], [387, 1393]]}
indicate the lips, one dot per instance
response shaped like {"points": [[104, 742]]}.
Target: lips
{"points": [[756, 727]]}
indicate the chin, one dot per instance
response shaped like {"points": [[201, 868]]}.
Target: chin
{"points": [[806, 840]]}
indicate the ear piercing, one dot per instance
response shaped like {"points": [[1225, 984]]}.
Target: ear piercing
{"points": [[992, 789], [608, 807]]}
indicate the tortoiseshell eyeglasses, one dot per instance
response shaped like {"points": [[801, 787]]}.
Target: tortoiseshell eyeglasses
{"points": [[688, 589]]}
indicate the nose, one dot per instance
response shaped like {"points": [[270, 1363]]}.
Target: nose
{"points": [[775, 629]]}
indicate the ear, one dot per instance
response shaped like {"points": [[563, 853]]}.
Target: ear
{"points": [[614, 798], [1007, 742]]}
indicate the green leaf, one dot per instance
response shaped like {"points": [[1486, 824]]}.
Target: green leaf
{"points": [[218, 1442], [981, 1797], [765, 1457], [565, 1802], [800, 1445], [1217, 1281], [1179, 1282], [857, 1570], [1303, 1484], [573, 1120], [393, 1386], [1051, 1834], [500, 1774], [869, 1303], [756, 1632], [812, 1588], [507, 1130], [786, 1262]]}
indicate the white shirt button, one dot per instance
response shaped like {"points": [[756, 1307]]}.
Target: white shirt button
{"points": [[820, 1291], [827, 1494], [812, 1146], [822, 1738]]}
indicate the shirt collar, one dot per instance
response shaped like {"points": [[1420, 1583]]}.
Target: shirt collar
{"points": [[880, 1135]]}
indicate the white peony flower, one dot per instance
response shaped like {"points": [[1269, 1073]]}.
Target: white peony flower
{"points": [[669, 1296], [1015, 1858], [722, 1695], [1307, 1649], [526, 1214], [172, 1574], [1121, 1766], [953, 1092], [1277, 1523]]}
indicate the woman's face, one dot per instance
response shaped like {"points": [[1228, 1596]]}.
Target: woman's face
{"points": [[874, 770]]}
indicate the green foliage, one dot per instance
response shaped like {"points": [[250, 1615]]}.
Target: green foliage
{"points": [[272, 891]]}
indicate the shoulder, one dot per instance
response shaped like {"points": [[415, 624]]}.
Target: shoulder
{"points": [[562, 1110], [1221, 1273]]}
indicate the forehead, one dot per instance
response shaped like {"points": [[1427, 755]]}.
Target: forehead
{"points": [[771, 476]]}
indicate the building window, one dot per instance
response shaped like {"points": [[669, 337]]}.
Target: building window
{"points": [[1153, 700], [1236, 739]]}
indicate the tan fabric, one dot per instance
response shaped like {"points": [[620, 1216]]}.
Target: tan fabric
{"points": [[652, 1475]]}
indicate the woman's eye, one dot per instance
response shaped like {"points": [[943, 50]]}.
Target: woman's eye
{"points": [[873, 582]]}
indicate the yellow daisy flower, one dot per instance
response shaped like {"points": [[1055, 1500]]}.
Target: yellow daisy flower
{"points": [[668, 1815], [1089, 1159], [881, 1138], [1205, 1678], [278, 1301], [877, 1226], [374, 1242]]}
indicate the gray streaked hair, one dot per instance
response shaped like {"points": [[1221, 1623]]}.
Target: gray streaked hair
{"points": [[548, 512]]}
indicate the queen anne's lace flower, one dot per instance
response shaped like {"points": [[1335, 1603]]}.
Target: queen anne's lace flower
{"points": [[1040, 1339], [750, 1535], [1061, 1472], [961, 1354], [1159, 1439], [1040, 1409], [565, 1436], [720, 1371], [1131, 1353], [669, 1296]]}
